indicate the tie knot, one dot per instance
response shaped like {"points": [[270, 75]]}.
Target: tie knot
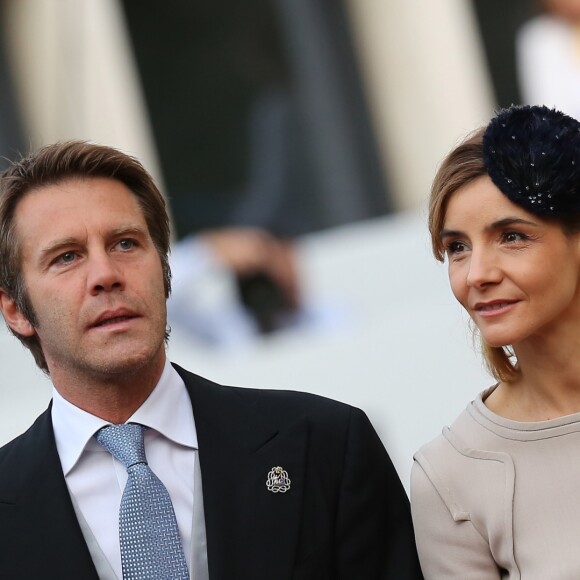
{"points": [[124, 442]]}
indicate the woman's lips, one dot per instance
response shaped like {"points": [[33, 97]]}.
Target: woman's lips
{"points": [[494, 308]]}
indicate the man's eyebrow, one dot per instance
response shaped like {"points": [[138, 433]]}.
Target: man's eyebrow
{"points": [[60, 244], [56, 246], [128, 230]]}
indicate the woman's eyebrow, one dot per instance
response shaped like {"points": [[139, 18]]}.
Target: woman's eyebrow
{"points": [[510, 221], [450, 234], [498, 224]]}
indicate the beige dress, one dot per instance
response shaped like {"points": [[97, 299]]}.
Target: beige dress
{"points": [[495, 498]]}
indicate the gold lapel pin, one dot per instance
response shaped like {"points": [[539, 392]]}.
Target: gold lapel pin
{"points": [[278, 480]]}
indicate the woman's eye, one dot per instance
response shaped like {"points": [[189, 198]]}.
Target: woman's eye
{"points": [[513, 237], [455, 247]]}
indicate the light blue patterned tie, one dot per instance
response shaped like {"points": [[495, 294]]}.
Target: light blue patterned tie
{"points": [[150, 544]]}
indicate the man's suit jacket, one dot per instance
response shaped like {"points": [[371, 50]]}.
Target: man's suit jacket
{"points": [[346, 515]]}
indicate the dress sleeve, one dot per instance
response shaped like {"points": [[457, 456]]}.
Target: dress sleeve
{"points": [[449, 549]]}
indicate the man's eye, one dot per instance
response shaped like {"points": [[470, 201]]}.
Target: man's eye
{"points": [[126, 244], [66, 258]]}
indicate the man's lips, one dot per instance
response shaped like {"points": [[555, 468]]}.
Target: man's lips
{"points": [[110, 317]]}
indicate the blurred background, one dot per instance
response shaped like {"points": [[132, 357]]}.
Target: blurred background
{"points": [[295, 141]]}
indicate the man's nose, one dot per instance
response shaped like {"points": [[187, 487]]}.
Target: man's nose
{"points": [[104, 274]]}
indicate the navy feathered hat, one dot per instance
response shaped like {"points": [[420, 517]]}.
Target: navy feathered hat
{"points": [[532, 154]]}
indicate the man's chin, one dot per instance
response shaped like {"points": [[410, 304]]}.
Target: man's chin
{"points": [[128, 364], [113, 364]]}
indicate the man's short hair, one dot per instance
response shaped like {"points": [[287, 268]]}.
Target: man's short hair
{"points": [[57, 163]]}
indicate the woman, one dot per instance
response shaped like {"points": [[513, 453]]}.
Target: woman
{"points": [[497, 495]]}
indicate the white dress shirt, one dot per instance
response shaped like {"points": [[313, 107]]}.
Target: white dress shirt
{"points": [[96, 480]]}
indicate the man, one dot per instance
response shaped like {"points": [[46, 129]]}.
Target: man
{"points": [[264, 484]]}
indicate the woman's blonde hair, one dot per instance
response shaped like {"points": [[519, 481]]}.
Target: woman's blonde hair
{"points": [[463, 165]]}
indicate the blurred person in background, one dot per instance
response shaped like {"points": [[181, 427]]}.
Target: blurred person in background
{"points": [[234, 284], [239, 483], [548, 57], [494, 496]]}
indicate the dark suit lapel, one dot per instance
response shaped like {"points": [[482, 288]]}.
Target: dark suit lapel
{"points": [[249, 529], [40, 533]]}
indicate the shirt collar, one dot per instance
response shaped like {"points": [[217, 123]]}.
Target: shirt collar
{"points": [[167, 410]]}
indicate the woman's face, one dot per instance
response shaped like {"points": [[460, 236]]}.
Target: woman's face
{"points": [[517, 275]]}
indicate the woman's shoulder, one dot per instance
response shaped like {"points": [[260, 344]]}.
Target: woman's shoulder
{"points": [[464, 433], [444, 457], [462, 487], [462, 465]]}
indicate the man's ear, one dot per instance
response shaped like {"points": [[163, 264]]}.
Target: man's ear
{"points": [[13, 317]]}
